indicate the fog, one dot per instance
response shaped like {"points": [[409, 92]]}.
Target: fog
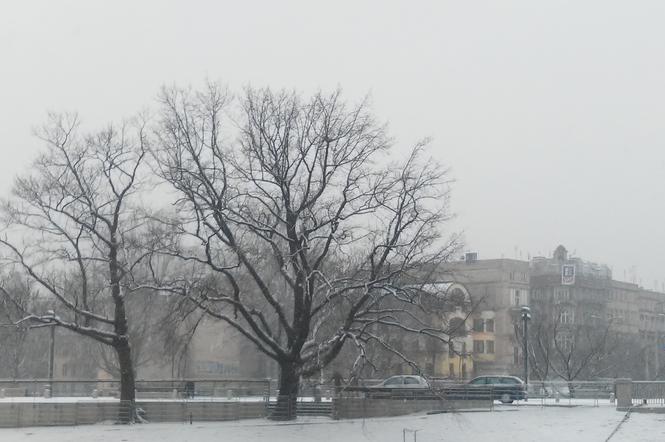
{"points": [[548, 113]]}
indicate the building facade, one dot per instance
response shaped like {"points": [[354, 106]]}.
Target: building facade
{"points": [[574, 303], [498, 288]]}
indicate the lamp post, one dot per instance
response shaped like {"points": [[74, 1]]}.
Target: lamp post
{"points": [[526, 316], [51, 362]]}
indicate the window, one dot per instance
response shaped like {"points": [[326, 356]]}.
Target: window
{"points": [[565, 342], [479, 346], [397, 380], [489, 346], [479, 381], [489, 325], [411, 381], [478, 325], [566, 317], [518, 297], [509, 381], [562, 295]]}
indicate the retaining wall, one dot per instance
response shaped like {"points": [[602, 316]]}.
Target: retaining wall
{"points": [[349, 408], [24, 414]]}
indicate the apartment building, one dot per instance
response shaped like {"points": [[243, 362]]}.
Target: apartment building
{"points": [[498, 288]]}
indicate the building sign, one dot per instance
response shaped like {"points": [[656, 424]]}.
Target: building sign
{"points": [[567, 274]]}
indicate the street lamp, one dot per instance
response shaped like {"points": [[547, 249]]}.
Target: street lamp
{"points": [[526, 316], [51, 362]]}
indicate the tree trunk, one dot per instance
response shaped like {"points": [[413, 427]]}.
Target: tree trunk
{"points": [[289, 384], [127, 412], [571, 389]]}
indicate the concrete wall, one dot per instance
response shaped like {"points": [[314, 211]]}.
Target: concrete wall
{"points": [[349, 408], [25, 414]]}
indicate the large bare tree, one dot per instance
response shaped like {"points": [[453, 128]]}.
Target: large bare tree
{"points": [[71, 227], [301, 216]]}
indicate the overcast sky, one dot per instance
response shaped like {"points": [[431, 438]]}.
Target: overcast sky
{"points": [[550, 113]]}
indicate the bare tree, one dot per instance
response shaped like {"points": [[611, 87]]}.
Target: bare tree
{"points": [[275, 181], [179, 324], [23, 353], [144, 314], [72, 229], [570, 349]]}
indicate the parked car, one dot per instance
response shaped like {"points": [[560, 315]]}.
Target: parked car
{"points": [[400, 385], [403, 381], [503, 388]]}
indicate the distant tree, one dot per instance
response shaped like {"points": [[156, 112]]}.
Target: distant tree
{"points": [[145, 313], [178, 327], [23, 352], [312, 189], [562, 345], [72, 226]]}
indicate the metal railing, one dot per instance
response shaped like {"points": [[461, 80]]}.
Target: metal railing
{"points": [[75, 402], [648, 392], [145, 389], [17, 414], [602, 389]]}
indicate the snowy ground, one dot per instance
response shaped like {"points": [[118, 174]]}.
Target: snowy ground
{"points": [[515, 424], [87, 399]]}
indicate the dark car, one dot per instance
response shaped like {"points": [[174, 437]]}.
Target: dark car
{"points": [[503, 388]]}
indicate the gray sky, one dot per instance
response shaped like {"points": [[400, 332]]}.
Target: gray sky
{"points": [[549, 113]]}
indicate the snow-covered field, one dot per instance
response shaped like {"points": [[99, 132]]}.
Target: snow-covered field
{"points": [[515, 424]]}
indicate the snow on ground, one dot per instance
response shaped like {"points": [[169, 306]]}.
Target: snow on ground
{"points": [[87, 399], [515, 424]]}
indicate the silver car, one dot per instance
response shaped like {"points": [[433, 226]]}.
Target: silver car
{"points": [[403, 381]]}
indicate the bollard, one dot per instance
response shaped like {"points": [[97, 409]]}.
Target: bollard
{"points": [[611, 397], [174, 393], [2, 393], [95, 393], [557, 396], [47, 392]]}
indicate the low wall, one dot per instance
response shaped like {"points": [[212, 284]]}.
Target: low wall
{"points": [[24, 414], [201, 411], [640, 396], [349, 408]]}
